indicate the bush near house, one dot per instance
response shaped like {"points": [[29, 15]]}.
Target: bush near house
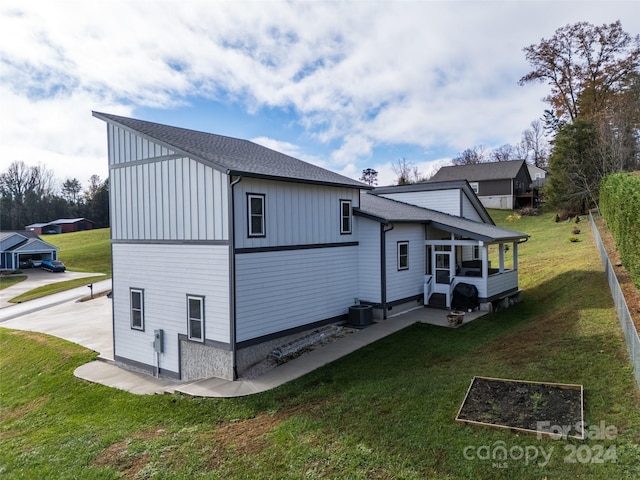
{"points": [[620, 207]]}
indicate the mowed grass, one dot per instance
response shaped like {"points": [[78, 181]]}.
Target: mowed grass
{"points": [[88, 251], [385, 412]]}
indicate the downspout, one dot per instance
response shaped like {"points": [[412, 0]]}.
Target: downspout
{"points": [[383, 266], [232, 275]]}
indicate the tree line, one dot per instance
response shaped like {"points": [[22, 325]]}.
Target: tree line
{"points": [[31, 194], [592, 128]]}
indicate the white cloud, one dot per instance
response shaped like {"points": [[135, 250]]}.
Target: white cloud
{"points": [[357, 74]]}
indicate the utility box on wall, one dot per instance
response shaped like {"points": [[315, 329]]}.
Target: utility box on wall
{"points": [[158, 340]]}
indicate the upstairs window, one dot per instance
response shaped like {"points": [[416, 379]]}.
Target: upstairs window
{"points": [[137, 309], [474, 187], [403, 255], [345, 216], [255, 214], [195, 318]]}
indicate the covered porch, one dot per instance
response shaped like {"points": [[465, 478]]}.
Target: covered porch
{"points": [[488, 264]]}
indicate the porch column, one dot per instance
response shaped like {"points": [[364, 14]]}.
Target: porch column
{"points": [[501, 257], [485, 260], [515, 256]]}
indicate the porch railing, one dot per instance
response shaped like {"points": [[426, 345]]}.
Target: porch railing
{"points": [[428, 288]]}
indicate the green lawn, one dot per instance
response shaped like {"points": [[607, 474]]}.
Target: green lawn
{"points": [[384, 412]]}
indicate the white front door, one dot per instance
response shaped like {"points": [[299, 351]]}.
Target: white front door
{"points": [[442, 270]]}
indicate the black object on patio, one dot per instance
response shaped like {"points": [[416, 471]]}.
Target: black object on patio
{"points": [[465, 297]]}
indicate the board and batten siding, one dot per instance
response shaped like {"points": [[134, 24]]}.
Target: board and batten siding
{"points": [[295, 213], [445, 201], [369, 260], [281, 290], [405, 283], [157, 194], [168, 273]]}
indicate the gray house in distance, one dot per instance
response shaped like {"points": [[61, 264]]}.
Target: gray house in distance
{"points": [[502, 185], [224, 250]]}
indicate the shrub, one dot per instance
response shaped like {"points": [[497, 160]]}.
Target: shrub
{"points": [[574, 239], [577, 219], [575, 231], [513, 218], [528, 212], [557, 218]]}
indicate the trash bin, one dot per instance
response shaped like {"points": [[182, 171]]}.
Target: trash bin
{"points": [[360, 315]]}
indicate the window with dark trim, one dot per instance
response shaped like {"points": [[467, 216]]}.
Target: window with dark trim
{"points": [[474, 186], [137, 308], [345, 217], [195, 318], [403, 255], [255, 214]]}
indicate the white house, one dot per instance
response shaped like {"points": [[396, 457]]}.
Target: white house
{"points": [[223, 249]]}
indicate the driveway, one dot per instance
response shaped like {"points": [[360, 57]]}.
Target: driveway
{"points": [[36, 277]]}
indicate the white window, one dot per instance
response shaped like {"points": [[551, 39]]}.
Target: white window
{"points": [[255, 213], [403, 255], [538, 176], [476, 252], [195, 318], [137, 308], [474, 186], [345, 216]]}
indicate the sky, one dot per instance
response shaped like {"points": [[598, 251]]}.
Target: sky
{"points": [[346, 85]]}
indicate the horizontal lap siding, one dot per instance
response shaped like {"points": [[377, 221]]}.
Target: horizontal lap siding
{"points": [[446, 201], [295, 214], [405, 283], [369, 260], [469, 211], [281, 290], [167, 273]]}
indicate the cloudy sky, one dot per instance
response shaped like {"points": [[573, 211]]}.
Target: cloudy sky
{"points": [[345, 85]]}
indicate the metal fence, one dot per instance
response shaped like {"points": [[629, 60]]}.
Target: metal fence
{"points": [[626, 322]]}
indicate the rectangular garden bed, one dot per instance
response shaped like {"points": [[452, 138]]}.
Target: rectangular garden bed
{"points": [[533, 407]]}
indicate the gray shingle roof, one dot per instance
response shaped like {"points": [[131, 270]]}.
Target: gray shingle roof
{"points": [[232, 155], [387, 210], [479, 171]]}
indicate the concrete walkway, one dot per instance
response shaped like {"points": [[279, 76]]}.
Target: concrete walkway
{"points": [[90, 324]]}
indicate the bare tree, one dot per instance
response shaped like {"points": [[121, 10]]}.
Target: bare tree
{"points": [[406, 173], [504, 153], [471, 156], [536, 144]]}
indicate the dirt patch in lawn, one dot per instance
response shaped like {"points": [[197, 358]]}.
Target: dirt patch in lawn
{"points": [[547, 408]]}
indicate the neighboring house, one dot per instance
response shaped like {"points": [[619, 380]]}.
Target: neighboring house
{"points": [[62, 225], [538, 175], [16, 247], [503, 185], [223, 250]]}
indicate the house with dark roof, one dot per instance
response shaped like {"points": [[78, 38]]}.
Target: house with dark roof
{"points": [[62, 225], [16, 248], [223, 249], [502, 185]]}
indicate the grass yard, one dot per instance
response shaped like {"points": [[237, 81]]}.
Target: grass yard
{"points": [[10, 280], [385, 412], [88, 251]]}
